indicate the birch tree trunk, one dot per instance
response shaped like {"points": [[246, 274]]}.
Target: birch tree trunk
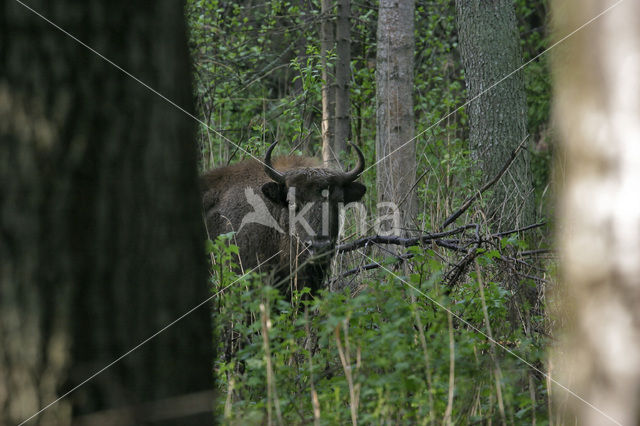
{"points": [[395, 147], [597, 111], [490, 50], [100, 231]]}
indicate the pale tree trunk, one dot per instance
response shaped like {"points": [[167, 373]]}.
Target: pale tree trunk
{"points": [[597, 111], [304, 139], [343, 77], [395, 147], [327, 43], [490, 50], [100, 228]]}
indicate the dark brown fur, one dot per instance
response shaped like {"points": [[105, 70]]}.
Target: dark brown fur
{"points": [[225, 205], [245, 173]]}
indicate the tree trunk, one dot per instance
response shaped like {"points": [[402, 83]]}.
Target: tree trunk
{"points": [[490, 50], [101, 235], [327, 42], [395, 147], [597, 110], [343, 78]]}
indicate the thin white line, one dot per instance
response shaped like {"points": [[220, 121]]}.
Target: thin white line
{"points": [[144, 341], [374, 164], [496, 83], [136, 79], [493, 340], [259, 160]]}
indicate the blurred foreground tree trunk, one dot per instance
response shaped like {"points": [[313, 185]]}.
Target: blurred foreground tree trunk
{"points": [[490, 50], [395, 128], [597, 111], [100, 228]]}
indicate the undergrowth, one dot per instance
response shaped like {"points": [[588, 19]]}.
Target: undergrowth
{"points": [[401, 349], [403, 344]]}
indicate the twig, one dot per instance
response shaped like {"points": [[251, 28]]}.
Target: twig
{"points": [[456, 272], [413, 187], [513, 260], [400, 258], [450, 245], [513, 231], [452, 368], [345, 359], [488, 185], [532, 277], [374, 265], [532, 397], [272, 393], [534, 252], [498, 370], [315, 403], [405, 242], [462, 245], [425, 352]]}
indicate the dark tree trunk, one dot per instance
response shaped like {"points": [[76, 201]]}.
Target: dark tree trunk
{"points": [[395, 147], [343, 77], [100, 227], [490, 50]]}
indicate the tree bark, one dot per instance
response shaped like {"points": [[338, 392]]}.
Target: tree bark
{"points": [[327, 43], [395, 128], [100, 230], [597, 110], [490, 50], [343, 78]]}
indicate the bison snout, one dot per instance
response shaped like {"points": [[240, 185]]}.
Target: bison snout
{"points": [[319, 246]]}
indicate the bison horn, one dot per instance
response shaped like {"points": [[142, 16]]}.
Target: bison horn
{"points": [[352, 175], [268, 167]]}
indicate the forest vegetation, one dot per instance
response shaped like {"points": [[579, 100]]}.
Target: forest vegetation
{"points": [[489, 273], [421, 331]]}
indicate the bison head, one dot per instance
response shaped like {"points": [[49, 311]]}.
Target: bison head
{"points": [[310, 199]]}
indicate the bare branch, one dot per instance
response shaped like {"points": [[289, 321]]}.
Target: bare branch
{"points": [[468, 245], [535, 252], [405, 242], [488, 185], [513, 231]]}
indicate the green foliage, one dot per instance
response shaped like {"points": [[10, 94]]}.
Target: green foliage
{"points": [[532, 25], [256, 74], [258, 79], [394, 338]]}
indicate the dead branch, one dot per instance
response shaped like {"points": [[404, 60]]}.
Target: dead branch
{"points": [[535, 252], [470, 245], [453, 275], [405, 242], [488, 185], [514, 231], [374, 265]]}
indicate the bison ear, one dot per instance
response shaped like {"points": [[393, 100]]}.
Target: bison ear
{"points": [[354, 192], [275, 192]]}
